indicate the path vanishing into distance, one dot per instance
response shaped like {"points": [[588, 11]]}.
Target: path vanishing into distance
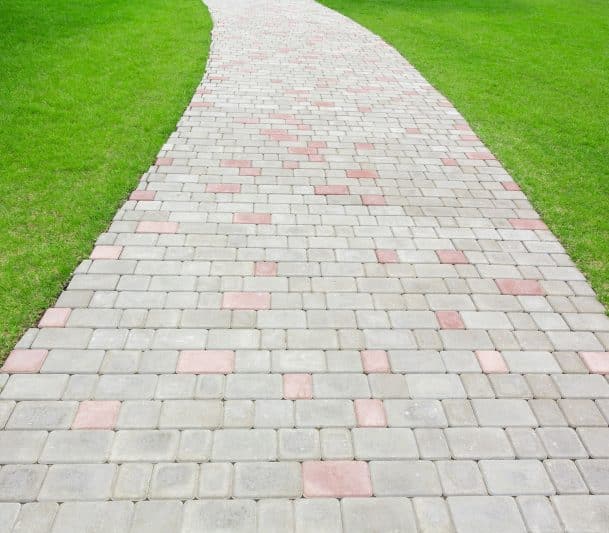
{"points": [[327, 307]]}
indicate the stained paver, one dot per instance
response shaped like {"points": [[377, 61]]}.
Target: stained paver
{"points": [[326, 307]]}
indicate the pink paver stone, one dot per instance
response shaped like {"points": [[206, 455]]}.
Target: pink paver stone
{"points": [[206, 362], [252, 218], [164, 161], [452, 257], [301, 150], [151, 226], [370, 413], [142, 196], [235, 163], [520, 287], [96, 414], [597, 362], [375, 361], [291, 164], [331, 189], [510, 186], [364, 146], [373, 199], [449, 320], [265, 268], [223, 187], [246, 300], [386, 256], [317, 144], [106, 252], [55, 317], [297, 386], [362, 174], [336, 479], [527, 223], [24, 361], [491, 362], [449, 162]]}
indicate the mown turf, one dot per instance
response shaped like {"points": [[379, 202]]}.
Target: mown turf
{"points": [[532, 78], [89, 91]]}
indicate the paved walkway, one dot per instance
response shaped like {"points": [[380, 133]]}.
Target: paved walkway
{"points": [[327, 307]]}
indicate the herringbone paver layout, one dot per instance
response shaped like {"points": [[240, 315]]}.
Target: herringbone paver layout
{"points": [[327, 307]]}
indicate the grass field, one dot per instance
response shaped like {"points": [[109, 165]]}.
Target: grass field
{"points": [[532, 78], [89, 91]]}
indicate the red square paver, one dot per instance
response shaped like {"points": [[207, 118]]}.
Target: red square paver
{"points": [[265, 268], [452, 257], [362, 174], [106, 252], [151, 226], [527, 223], [252, 218], [370, 413], [520, 287], [142, 196], [597, 362], [375, 361], [491, 362], [297, 386], [24, 361], [386, 256], [373, 199], [510, 186], [336, 479], [96, 414], [206, 362], [331, 189], [246, 300], [449, 320], [223, 187], [55, 317], [163, 161]]}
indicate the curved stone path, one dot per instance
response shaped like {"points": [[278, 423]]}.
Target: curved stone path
{"points": [[327, 307]]}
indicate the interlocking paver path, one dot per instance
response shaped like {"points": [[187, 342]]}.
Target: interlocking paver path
{"points": [[326, 307]]}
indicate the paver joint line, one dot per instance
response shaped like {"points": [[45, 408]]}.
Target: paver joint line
{"points": [[326, 307]]}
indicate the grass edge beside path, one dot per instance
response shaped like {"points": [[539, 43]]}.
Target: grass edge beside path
{"points": [[532, 79], [89, 93]]}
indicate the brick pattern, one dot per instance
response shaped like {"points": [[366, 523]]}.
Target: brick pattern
{"points": [[325, 289]]}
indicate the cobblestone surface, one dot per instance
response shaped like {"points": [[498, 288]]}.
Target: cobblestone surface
{"points": [[326, 307]]}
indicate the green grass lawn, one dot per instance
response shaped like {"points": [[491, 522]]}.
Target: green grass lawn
{"points": [[89, 91], [532, 78]]}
